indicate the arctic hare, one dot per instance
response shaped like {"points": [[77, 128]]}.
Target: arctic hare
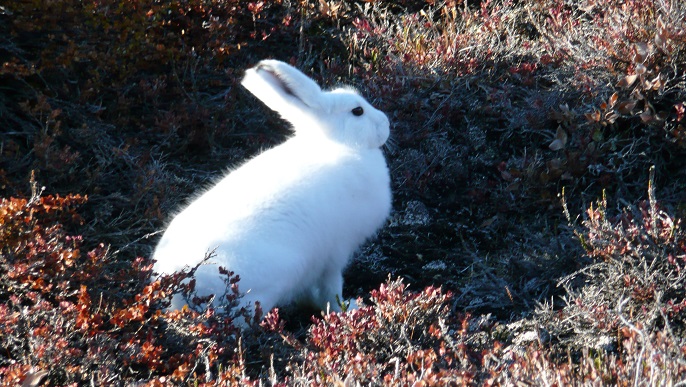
{"points": [[288, 220]]}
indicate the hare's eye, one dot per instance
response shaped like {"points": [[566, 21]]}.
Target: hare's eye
{"points": [[358, 111]]}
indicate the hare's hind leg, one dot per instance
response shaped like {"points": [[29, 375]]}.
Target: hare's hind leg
{"points": [[267, 300]]}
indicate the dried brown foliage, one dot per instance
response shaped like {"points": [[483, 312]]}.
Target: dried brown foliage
{"points": [[63, 315]]}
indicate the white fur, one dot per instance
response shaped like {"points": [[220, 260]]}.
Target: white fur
{"points": [[288, 220]]}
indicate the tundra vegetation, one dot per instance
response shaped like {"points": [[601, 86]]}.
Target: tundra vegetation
{"points": [[538, 164]]}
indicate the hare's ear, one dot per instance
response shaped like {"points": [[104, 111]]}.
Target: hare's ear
{"points": [[283, 88]]}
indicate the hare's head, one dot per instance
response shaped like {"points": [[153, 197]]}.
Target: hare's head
{"points": [[341, 115]]}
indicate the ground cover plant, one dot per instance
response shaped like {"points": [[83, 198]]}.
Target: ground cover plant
{"points": [[538, 161]]}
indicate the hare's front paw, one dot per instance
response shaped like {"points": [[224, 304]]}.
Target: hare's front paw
{"points": [[349, 304], [342, 305]]}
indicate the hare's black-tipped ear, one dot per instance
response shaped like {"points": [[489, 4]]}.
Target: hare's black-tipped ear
{"points": [[282, 87]]}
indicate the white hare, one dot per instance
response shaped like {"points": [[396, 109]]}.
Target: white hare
{"points": [[288, 220]]}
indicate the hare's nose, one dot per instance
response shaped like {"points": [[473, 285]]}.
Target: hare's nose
{"points": [[383, 122], [383, 131]]}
